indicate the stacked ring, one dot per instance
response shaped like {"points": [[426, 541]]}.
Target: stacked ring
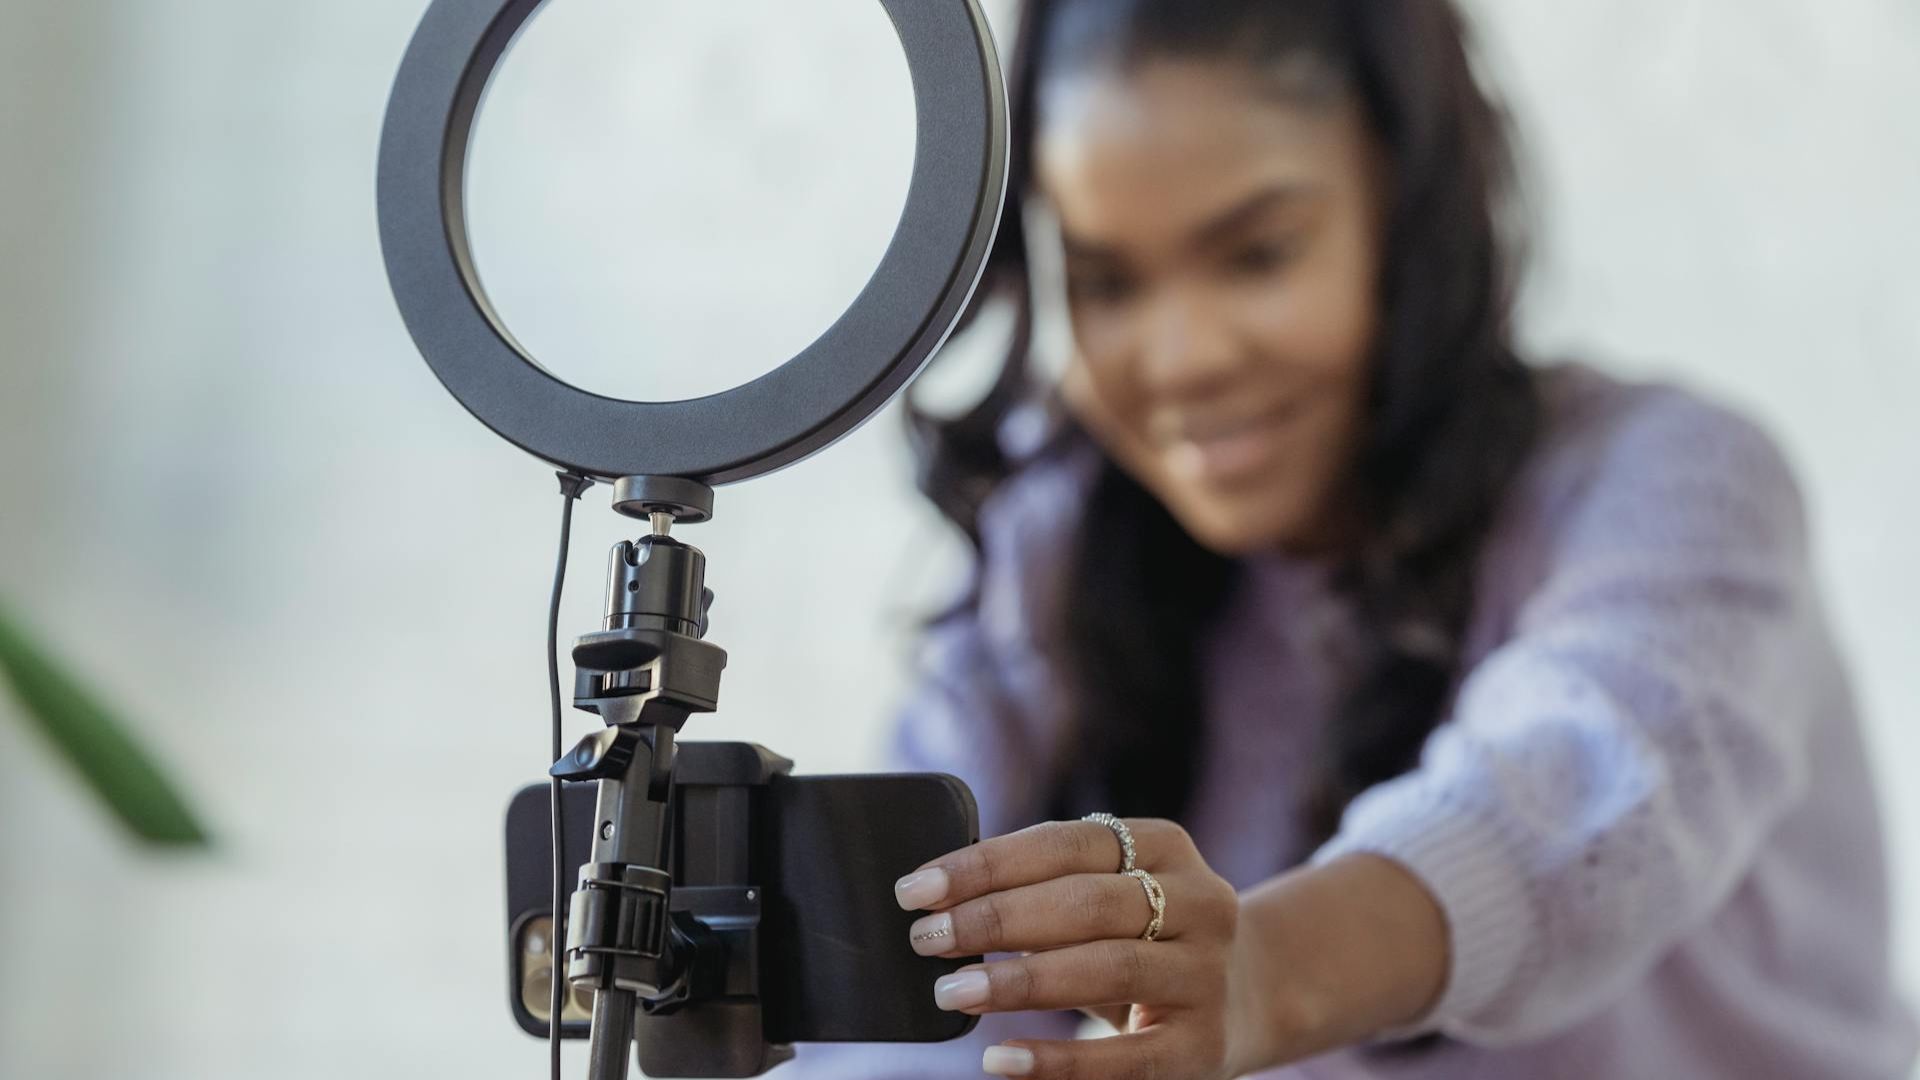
{"points": [[1120, 830], [1157, 898]]}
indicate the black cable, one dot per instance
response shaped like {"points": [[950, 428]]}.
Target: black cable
{"points": [[571, 488]]}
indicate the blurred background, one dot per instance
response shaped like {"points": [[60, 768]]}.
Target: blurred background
{"points": [[235, 499]]}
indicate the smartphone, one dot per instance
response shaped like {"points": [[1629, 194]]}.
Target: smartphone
{"points": [[821, 854]]}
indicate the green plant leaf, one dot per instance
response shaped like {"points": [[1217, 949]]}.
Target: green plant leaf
{"points": [[104, 753]]}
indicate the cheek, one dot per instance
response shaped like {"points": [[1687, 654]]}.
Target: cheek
{"points": [[1101, 387], [1105, 339], [1109, 405], [1321, 326]]}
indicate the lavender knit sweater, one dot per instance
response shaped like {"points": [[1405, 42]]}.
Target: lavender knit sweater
{"points": [[1648, 815]]}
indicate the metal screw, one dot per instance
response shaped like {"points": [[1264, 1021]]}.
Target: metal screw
{"points": [[606, 830], [753, 894]]}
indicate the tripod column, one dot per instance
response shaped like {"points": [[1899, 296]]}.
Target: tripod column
{"points": [[612, 1035]]}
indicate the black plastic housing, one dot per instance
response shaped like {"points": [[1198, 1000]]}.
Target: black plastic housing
{"points": [[801, 867]]}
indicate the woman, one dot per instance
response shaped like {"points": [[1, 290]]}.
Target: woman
{"points": [[1494, 702]]}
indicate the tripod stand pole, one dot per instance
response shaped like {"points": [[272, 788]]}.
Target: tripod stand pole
{"points": [[611, 1047]]}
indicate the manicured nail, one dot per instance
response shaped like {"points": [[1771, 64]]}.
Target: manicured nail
{"points": [[962, 990], [932, 935], [917, 892], [1007, 1061]]}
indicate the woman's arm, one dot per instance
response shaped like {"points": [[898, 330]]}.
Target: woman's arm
{"points": [[1609, 774], [1604, 781], [1335, 954]]}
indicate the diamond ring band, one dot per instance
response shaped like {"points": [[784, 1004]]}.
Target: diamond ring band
{"points": [[1121, 831], [1157, 898]]}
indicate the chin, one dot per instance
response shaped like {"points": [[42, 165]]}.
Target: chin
{"points": [[1237, 531]]}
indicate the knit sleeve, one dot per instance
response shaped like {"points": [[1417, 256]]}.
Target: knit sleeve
{"points": [[1608, 775]]}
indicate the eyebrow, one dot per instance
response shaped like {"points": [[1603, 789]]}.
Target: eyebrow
{"points": [[1216, 228]]}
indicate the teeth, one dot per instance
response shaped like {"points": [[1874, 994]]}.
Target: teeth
{"points": [[1170, 430], [1219, 433], [1188, 459]]}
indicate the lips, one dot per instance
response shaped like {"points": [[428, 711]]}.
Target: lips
{"points": [[1223, 449]]}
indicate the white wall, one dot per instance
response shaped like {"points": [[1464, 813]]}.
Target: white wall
{"points": [[234, 494]]}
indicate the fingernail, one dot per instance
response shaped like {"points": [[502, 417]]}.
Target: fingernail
{"points": [[962, 990], [916, 892], [1007, 1061], [933, 935]]}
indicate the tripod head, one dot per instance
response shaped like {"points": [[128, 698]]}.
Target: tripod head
{"points": [[649, 664]]}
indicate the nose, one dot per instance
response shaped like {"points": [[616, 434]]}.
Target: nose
{"points": [[1188, 346]]}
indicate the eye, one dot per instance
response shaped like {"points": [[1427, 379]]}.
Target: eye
{"points": [[1261, 259], [1099, 286]]}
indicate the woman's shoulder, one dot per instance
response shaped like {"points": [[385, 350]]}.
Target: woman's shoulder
{"points": [[1603, 419], [1646, 457], [1633, 484]]}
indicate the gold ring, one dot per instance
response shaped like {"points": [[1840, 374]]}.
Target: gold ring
{"points": [[1120, 830], [1157, 898]]}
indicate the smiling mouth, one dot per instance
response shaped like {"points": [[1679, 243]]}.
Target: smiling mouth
{"points": [[1208, 429], [1234, 450]]}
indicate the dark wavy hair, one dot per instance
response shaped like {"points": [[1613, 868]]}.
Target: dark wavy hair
{"points": [[1452, 410]]}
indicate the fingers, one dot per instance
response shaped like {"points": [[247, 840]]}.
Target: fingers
{"points": [[1053, 892], [1050, 915], [1041, 853], [1155, 1054], [1084, 977]]}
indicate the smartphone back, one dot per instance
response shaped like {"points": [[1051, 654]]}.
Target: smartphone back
{"points": [[822, 853], [836, 962]]}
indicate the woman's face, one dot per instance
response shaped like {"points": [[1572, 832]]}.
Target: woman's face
{"points": [[1222, 259]]}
